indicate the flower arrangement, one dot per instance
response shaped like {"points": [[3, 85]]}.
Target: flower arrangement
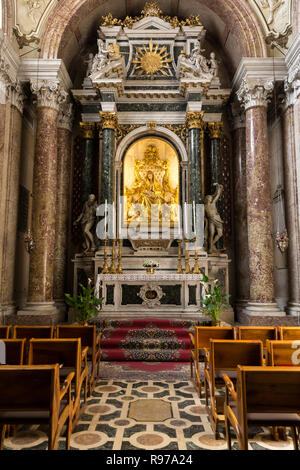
{"points": [[214, 301], [85, 303], [149, 263]]}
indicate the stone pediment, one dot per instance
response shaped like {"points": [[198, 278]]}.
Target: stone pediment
{"points": [[151, 23]]}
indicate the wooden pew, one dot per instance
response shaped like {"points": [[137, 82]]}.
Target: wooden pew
{"points": [[28, 332], [199, 341], [225, 356], [283, 353], [289, 332], [89, 339], [264, 396], [262, 333], [14, 351], [5, 331], [33, 395], [68, 354]]}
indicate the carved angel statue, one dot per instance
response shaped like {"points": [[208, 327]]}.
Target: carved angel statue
{"points": [[213, 221], [194, 65], [272, 5], [87, 219], [214, 65], [89, 62], [101, 59]]}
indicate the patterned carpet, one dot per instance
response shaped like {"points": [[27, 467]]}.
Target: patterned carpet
{"points": [[143, 415]]}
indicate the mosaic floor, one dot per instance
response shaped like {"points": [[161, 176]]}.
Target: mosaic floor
{"points": [[143, 415]]}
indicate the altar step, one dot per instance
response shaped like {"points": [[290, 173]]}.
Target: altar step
{"points": [[146, 340]]}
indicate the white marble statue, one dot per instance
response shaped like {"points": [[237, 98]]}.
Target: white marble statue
{"points": [[214, 65], [89, 61], [213, 222], [195, 65], [101, 59], [87, 219]]}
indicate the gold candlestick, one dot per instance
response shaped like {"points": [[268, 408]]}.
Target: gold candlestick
{"points": [[119, 269], [179, 269], [112, 268], [196, 269], [187, 258], [105, 265]]}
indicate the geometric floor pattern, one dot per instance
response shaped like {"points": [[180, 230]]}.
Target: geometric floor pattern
{"points": [[143, 415]]}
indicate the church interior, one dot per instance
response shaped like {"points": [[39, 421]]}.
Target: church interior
{"points": [[150, 236]]}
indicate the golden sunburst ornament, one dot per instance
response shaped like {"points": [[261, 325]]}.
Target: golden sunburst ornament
{"points": [[152, 61]]}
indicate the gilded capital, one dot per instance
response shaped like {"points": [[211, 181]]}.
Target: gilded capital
{"points": [[215, 130], [87, 129], [194, 120], [109, 120]]}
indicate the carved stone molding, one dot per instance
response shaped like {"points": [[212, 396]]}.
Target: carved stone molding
{"points": [[65, 117], [194, 120], [49, 94], [109, 120], [151, 294], [238, 116], [215, 130], [255, 92], [17, 96]]}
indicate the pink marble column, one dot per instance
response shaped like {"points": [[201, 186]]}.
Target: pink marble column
{"points": [[240, 208], [40, 292], [10, 215], [291, 135], [254, 95], [64, 138]]}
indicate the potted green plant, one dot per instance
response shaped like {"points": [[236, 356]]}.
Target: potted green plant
{"points": [[85, 303], [214, 301]]}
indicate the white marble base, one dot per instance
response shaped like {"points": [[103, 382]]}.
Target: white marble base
{"points": [[263, 310]]}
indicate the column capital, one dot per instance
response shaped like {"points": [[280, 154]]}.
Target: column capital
{"points": [[109, 120], [292, 84], [65, 117], [215, 129], [49, 93], [194, 120], [87, 129], [17, 96], [238, 116], [255, 92]]}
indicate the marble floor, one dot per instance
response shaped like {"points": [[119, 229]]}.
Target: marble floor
{"points": [[143, 415]]}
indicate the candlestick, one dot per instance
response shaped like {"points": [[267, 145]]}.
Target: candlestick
{"points": [[179, 269], [105, 265], [105, 220], [185, 220], [112, 268], [119, 269], [196, 269], [187, 258], [194, 216]]}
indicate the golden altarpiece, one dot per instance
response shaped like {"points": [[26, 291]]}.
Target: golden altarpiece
{"points": [[153, 96]]}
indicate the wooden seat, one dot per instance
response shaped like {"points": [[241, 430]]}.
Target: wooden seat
{"points": [[14, 351], [225, 356], [5, 331], [262, 333], [89, 339], [28, 332], [264, 396], [68, 354], [199, 341], [283, 353], [289, 332], [33, 395]]}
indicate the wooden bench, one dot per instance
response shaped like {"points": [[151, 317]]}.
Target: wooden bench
{"points": [[5, 331], [68, 354], [33, 395], [289, 332], [89, 339], [14, 351], [264, 396], [199, 341], [283, 353], [262, 333], [28, 332], [225, 356]]}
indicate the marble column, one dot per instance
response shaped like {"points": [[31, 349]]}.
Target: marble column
{"points": [[195, 125], [64, 151], [87, 164], [109, 123], [10, 215], [40, 293], [292, 194], [215, 134], [240, 208], [254, 94]]}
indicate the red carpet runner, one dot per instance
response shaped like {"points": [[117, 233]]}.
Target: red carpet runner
{"points": [[153, 340]]}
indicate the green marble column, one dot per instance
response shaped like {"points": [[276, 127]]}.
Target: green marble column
{"points": [[195, 125], [109, 124], [87, 164]]}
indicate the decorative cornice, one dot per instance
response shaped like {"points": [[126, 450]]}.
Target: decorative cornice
{"points": [[39, 70], [108, 120], [264, 68], [49, 94], [65, 117], [194, 120], [87, 129], [292, 81], [215, 130], [255, 92], [17, 96]]}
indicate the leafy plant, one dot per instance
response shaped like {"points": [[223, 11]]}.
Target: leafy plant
{"points": [[85, 303], [214, 300]]}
